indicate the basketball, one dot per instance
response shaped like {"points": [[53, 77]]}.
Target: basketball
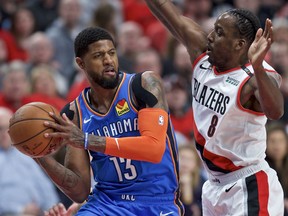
{"points": [[26, 130]]}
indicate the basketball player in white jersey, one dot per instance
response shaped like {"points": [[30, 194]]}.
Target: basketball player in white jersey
{"points": [[234, 92]]}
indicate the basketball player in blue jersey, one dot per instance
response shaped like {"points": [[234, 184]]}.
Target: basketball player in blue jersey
{"points": [[234, 92], [122, 123]]}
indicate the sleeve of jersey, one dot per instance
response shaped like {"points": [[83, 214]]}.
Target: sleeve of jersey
{"points": [[150, 146]]}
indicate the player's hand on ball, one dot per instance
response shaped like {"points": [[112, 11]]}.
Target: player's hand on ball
{"points": [[65, 129]]}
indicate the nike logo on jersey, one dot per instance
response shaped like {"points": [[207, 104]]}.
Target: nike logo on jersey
{"points": [[206, 67], [228, 189], [87, 120], [169, 213]]}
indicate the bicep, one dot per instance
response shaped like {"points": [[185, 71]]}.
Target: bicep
{"points": [[152, 83]]}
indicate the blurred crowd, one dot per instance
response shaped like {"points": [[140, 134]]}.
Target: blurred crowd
{"points": [[37, 64]]}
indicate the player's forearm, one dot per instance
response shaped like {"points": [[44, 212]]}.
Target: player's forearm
{"points": [[270, 97], [66, 180], [168, 15], [150, 146]]}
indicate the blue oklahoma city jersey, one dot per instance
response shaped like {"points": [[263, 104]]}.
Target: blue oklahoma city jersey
{"points": [[126, 178]]}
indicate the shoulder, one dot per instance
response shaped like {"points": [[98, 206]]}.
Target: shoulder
{"points": [[150, 78], [70, 109], [148, 89]]}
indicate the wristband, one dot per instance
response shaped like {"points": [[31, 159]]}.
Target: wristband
{"points": [[86, 141]]}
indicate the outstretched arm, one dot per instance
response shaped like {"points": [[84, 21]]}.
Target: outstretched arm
{"points": [[182, 28], [267, 91]]}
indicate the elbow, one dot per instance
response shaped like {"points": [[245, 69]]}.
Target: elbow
{"points": [[276, 114], [80, 196], [78, 199]]}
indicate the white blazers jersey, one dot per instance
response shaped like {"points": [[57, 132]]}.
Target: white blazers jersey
{"points": [[228, 136]]}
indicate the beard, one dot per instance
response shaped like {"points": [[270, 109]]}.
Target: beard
{"points": [[106, 83]]}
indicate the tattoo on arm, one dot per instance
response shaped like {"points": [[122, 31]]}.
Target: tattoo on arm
{"points": [[153, 84], [62, 176]]}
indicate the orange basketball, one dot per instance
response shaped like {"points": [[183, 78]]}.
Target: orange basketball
{"points": [[27, 129]]}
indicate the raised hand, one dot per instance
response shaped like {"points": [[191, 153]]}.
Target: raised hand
{"points": [[261, 45]]}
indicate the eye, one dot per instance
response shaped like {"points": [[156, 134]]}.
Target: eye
{"points": [[219, 31], [112, 52], [97, 55]]}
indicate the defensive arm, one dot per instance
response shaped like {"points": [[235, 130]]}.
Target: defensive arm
{"points": [[182, 28]]}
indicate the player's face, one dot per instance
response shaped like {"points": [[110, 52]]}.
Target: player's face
{"points": [[101, 64], [221, 42]]}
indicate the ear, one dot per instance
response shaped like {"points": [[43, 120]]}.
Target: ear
{"points": [[240, 43], [80, 63]]}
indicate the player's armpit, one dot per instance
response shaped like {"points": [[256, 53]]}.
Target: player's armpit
{"points": [[150, 146]]}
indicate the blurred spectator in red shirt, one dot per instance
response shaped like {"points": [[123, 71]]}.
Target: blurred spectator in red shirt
{"points": [[177, 92], [22, 26]]}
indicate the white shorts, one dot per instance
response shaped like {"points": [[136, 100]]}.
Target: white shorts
{"points": [[253, 195]]}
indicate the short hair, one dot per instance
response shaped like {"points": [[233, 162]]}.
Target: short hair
{"points": [[247, 23], [89, 36]]}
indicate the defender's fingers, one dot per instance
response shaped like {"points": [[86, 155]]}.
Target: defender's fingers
{"points": [[268, 24], [258, 34]]}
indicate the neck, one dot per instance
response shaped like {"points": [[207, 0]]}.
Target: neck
{"points": [[101, 99]]}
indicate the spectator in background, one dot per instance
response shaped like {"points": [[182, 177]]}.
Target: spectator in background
{"points": [[3, 60], [23, 192], [15, 86], [62, 33], [80, 82], [178, 62], [148, 60], [181, 114], [198, 10], [8, 7], [277, 154], [131, 41], [104, 16], [191, 180], [280, 30], [279, 60], [3, 52], [43, 87], [269, 8], [136, 11], [253, 6], [89, 8], [41, 51], [44, 12], [22, 26], [182, 63]]}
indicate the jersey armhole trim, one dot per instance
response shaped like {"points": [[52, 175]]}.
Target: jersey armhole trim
{"points": [[238, 101]]}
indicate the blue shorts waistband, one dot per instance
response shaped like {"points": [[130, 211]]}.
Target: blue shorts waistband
{"points": [[141, 198]]}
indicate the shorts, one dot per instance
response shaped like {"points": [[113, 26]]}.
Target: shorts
{"points": [[257, 194], [100, 204]]}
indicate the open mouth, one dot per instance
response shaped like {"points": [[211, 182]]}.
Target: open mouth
{"points": [[109, 70]]}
